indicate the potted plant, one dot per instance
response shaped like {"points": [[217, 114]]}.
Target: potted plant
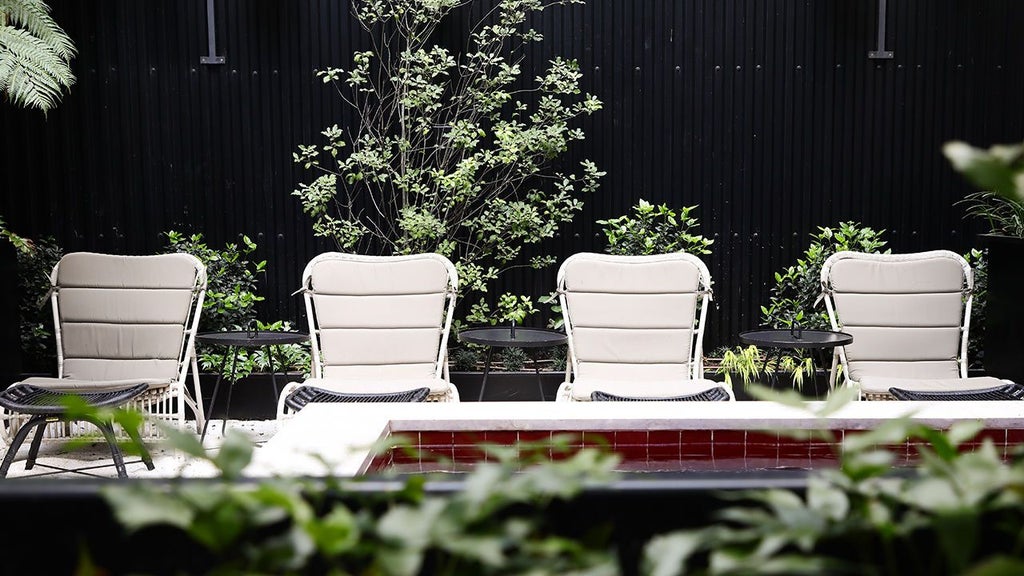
{"points": [[999, 173], [748, 365]]}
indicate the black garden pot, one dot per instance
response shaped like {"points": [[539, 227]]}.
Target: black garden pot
{"points": [[1004, 314]]}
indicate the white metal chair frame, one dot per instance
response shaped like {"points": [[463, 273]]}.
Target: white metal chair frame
{"points": [[444, 328], [167, 402], [839, 355], [696, 356]]}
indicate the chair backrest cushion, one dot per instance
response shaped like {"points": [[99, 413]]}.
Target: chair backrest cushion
{"points": [[124, 317], [379, 317], [905, 312], [632, 317]]}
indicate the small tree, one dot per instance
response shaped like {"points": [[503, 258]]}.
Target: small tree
{"points": [[453, 152]]}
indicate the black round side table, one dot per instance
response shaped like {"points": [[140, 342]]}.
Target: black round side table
{"points": [[794, 339], [250, 339], [517, 337]]}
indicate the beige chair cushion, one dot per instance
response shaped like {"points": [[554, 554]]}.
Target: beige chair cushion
{"points": [[70, 385], [633, 323], [881, 385], [379, 318], [905, 313], [123, 317]]}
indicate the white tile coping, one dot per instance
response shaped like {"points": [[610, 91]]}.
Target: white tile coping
{"points": [[336, 438]]}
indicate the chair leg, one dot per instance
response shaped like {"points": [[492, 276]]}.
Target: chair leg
{"points": [[199, 411], [115, 451], [37, 440], [834, 370], [18, 440], [273, 372], [147, 458]]}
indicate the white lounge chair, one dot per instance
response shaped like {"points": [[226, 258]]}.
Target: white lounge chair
{"points": [[379, 328], [635, 327], [909, 315], [121, 321]]}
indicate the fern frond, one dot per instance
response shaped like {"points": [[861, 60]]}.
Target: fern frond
{"points": [[35, 55], [34, 16]]}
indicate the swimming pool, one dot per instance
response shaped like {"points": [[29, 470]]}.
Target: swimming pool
{"points": [[344, 439]]}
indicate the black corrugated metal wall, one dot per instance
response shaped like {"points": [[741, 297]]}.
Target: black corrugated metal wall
{"points": [[767, 114]]}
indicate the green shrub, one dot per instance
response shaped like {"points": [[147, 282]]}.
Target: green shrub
{"points": [[797, 288], [36, 259], [463, 358], [647, 229], [513, 359], [978, 259], [230, 304], [750, 363], [500, 523], [958, 510], [231, 278], [651, 229], [1002, 214]]}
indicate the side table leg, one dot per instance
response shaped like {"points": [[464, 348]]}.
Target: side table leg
{"points": [[771, 377], [273, 374], [536, 370], [231, 388], [213, 399], [487, 370]]}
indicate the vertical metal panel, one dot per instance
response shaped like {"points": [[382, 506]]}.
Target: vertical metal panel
{"points": [[765, 113]]}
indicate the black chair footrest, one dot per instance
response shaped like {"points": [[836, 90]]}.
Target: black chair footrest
{"points": [[1007, 392], [44, 404], [714, 394], [29, 399], [298, 399]]}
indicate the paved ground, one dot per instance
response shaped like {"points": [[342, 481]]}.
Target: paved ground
{"points": [[55, 455]]}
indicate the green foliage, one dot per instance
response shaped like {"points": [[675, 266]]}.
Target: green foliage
{"points": [[749, 363], [20, 244], [654, 229], [496, 524], [230, 302], [999, 170], [1004, 215], [36, 259], [556, 321], [978, 259], [959, 512], [464, 358], [513, 359], [453, 153], [798, 288], [510, 308], [289, 357], [35, 55]]}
